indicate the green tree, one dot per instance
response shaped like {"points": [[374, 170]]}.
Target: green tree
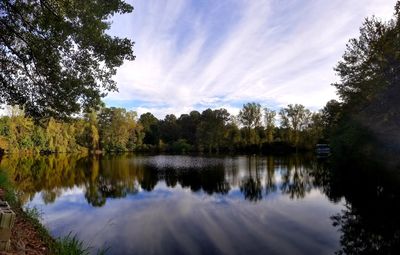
{"points": [[330, 116], [294, 119], [19, 130], [210, 132], [150, 128], [55, 56], [369, 88], [87, 131], [169, 129], [269, 120], [135, 130], [188, 124], [250, 117], [119, 129]]}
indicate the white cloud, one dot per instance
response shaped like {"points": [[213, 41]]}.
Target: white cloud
{"points": [[231, 52]]}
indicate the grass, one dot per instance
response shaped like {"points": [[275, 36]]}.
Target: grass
{"points": [[9, 192], [68, 245]]}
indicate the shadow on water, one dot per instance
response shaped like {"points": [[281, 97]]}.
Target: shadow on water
{"points": [[113, 176], [368, 224]]}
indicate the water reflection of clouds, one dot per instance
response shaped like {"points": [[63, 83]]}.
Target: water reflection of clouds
{"points": [[248, 205], [191, 205], [175, 221]]}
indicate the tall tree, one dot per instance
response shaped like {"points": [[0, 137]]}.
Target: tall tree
{"points": [[188, 124], [55, 56], [369, 87], [294, 118], [169, 129], [269, 120], [210, 132], [90, 136], [150, 128], [119, 130], [250, 115]]}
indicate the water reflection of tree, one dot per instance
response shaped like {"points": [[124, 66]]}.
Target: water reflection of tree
{"points": [[109, 179], [33, 174], [115, 176], [370, 222], [251, 189], [251, 186], [296, 181], [270, 183], [210, 179]]}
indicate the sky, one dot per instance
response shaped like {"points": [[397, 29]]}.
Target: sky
{"points": [[198, 54]]}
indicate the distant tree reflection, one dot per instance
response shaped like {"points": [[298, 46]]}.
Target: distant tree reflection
{"points": [[251, 186], [296, 181], [270, 183], [251, 189], [116, 176]]}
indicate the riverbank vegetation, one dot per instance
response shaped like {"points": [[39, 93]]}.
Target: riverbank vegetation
{"points": [[29, 236], [366, 121], [254, 129]]}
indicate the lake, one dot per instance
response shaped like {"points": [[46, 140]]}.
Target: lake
{"points": [[152, 204]]}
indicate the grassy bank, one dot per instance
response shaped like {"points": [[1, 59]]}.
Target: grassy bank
{"points": [[29, 236]]}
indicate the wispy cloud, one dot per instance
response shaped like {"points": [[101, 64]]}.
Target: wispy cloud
{"points": [[198, 54]]}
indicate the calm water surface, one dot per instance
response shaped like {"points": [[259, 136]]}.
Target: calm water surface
{"points": [[196, 204]]}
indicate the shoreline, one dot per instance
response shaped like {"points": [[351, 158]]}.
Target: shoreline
{"points": [[29, 236]]}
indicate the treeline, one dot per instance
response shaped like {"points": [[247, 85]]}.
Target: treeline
{"points": [[254, 129], [102, 182], [111, 129]]}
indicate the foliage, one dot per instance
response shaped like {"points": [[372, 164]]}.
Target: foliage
{"points": [[369, 87], [269, 120], [55, 55], [9, 192], [294, 119], [250, 115], [117, 130], [217, 130]]}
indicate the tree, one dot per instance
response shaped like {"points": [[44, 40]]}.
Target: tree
{"points": [[119, 129], [211, 129], [150, 128], [135, 131], [88, 133], [269, 120], [188, 124], [169, 129], [294, 118], [371, 64], [19, 130], [330, 116], [250, 115], [369, 88], [55, 56]]}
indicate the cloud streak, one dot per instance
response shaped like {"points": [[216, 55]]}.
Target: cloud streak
{"points": [[199, 54]]}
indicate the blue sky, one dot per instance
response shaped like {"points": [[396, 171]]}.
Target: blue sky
{"points": [[207, 53]]}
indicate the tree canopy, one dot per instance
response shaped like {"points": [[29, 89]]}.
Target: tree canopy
{"points": [[55, 55], [369, 87]]}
